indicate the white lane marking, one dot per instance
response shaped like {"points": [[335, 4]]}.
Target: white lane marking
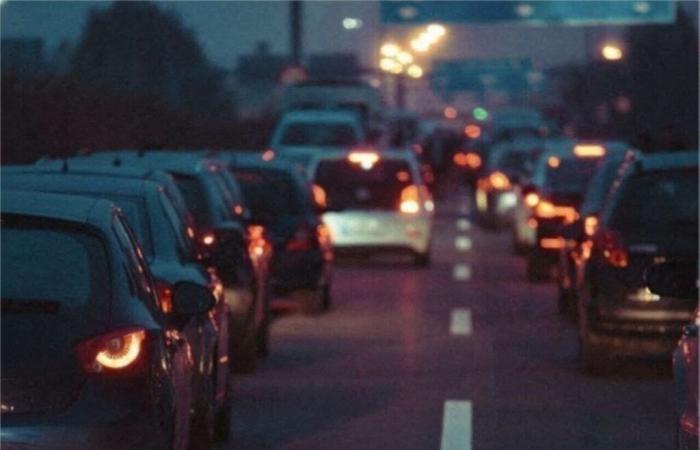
{"points": [[457, 425], [462, 272], [463, 225], [463, 243], [461, 322]]}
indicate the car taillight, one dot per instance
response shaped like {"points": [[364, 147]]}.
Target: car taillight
{"points": [[531, 199], [208, 239], [548, 210], [319, 196], [112, 351], [410, 201], [612, 248], [301, 240], [256, 240], [590, 225], [499, 181], [165, 296]]}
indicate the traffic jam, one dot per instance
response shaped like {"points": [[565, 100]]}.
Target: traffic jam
{"points": [[394, 225]]}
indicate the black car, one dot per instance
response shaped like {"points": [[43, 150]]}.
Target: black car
{"points": [[651, 216], [282, 201], [89, 359], [579, 234], [221, 220], [166, 249]]}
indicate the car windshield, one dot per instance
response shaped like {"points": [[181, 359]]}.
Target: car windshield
{"points": [[313, 134], [571, 175], [665, 202], [269, 194], [348, 185]]}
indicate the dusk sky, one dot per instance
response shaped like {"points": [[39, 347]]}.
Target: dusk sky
{"points": [[227, 29]]}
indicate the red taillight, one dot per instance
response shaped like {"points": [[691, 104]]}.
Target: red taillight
{"points": [[256, 241], [410, 200], [532, 199], [612, 248], [301, 241], [590, 225], [112, 351], [165, 295], [499, 181], [208, 239]]}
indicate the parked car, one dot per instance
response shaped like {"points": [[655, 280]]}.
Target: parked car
{"points": [[165, 248], [283, 202], [230, 246], [651, 216], [680, 280], [94, 362], [375, 202], [300, 135], [578, 235]]}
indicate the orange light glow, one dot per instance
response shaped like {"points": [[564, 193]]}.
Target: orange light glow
{"points": [[417, 149], [499, 181], [410, 201], [256, 241], [319, 194], [590, 225], [208, 239], [366, 160], [532, 223], [190, 232], [531, 199], [552, 243], [121, 351], [473, 160], [450, 113], [553, 162], [472, 131], [268, 155], [165, 296], [616, 257], [548, 210], [460, 159], [589, 151], [403, 176], [238, 209]]}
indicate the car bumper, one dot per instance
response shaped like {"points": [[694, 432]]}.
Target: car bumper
{"points": [[293, 270], [379, 230]]}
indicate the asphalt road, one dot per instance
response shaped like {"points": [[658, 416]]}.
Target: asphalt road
{"points": [[465, 354]]}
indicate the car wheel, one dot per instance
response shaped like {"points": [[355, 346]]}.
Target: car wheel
{"points": [[422, 259]]}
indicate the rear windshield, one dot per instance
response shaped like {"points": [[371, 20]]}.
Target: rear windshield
{"points": [[206, 206], [51, 265], [349, 186], [319, 135], [269, 194], [571, 175], [659, 202]]}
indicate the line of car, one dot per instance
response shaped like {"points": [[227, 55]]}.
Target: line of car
{"points": [[618, 232]]}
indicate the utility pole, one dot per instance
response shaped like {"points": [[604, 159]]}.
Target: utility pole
{"points": [[295, 31]]}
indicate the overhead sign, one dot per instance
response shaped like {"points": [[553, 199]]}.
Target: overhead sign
{"points": [[574, 13], [507, 75]]}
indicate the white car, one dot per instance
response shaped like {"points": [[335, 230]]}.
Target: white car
{"points": [[300, 135], [376, 201]]}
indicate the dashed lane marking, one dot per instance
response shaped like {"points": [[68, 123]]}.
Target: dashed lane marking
{"points": [[463, 225], [457, 425], [463, 243], [461, 322], [462, 272]]}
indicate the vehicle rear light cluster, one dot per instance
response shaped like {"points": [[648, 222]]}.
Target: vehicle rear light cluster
{"points": [[590, 225], [325, 241], [256, 240], [165, 296], [531, 199], [470, 160], [499, 181], [410, 200], [548, 210], [208, 239], [112, 351], [612, 248], [319, 196], [302, 240]]}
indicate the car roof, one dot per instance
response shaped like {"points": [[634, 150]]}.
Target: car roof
{"points": [[85, 165], [320, 115], [82, 183], [180, 161], [70, 208], [667, 161]]}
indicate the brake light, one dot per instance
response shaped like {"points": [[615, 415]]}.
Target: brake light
{"points": [[165, 296], [548, 210], [590, 225], [268, 155], [589, 151], [552, 243], [467, 159], [531, 199], [613, 249], [208, 239], [256, 240], [301, 240], [553, 162], [410, 202], [366, 160], [499, 181], [112, 351], [319, 194]]}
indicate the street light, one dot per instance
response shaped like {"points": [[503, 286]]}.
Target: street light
{"points": [[611, 52], [404, 58], [414, 71], [390, 50], [435, 29]]}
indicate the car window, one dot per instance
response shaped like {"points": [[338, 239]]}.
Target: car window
{"points": [[196, 198], [348, 185], [319, 134], [270, 194], [185, 244]]}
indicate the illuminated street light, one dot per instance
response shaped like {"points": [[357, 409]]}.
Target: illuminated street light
{"points": [[611, 52], [404, 58], [420, 45], [352, 23], [390, 50], [388, 64], [414, 71], [435, 29]]}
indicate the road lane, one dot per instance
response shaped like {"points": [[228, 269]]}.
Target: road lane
{"points": [[376, 371]]}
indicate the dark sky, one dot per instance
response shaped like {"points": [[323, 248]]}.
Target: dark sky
{"points": [[227, 29]]}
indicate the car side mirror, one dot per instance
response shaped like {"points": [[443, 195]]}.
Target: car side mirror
{"points": [[190, 299], [673, 279]]}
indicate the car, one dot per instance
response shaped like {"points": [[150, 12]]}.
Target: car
{"points": [[375, 202], [238, 254], [552, 200], [651, 216], [578, 235], [169, 256], [94, 362], [283, 202], [680, 280], [300, 135], [509, 164]]}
